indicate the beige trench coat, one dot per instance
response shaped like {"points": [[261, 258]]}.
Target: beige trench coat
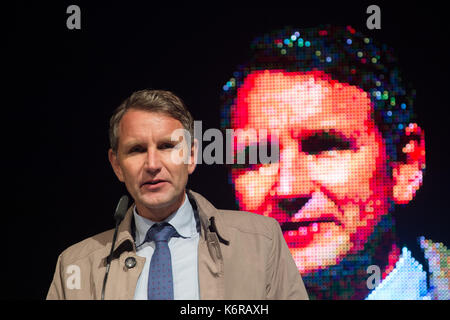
{"points": [[240, 256]]}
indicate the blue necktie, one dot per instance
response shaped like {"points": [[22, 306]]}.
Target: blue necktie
{"points": [[160, 282]]}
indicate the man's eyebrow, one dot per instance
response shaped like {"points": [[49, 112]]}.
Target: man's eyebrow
{"points": [[133, 142], [168, 139], [268, 139]]}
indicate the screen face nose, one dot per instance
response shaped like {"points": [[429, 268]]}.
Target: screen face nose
{"points": [[292, 205]]}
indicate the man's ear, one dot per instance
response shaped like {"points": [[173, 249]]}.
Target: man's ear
{"points": [[112, 156], [193, 157], [408, 171]]}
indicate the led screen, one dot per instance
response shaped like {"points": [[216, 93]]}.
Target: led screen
{"points": [[331, 101]]}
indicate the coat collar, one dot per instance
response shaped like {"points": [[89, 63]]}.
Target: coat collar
{"points": [[208, 219]]}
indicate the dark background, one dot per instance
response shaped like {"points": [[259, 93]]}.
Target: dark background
{"points": [[62, 86]]}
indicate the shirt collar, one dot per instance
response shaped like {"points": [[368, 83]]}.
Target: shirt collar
{"points": [[407, 281], [182, 220]]}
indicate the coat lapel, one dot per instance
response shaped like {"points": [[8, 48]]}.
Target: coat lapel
{"points": [[210, 260]]}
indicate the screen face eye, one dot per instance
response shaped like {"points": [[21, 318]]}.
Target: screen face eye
{"points": [[324, 142], [266, 147]]}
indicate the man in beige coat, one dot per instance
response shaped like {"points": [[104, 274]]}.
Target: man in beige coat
{"points": [[237, 255]]}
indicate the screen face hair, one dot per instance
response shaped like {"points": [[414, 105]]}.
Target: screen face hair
{"points": [[349, 149]]}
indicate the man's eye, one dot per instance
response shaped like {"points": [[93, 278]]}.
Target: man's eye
{"points": [[166, 146], [242, 159], [255, 149], [324, 142], [136, 149]]}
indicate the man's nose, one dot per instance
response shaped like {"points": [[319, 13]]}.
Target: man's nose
{"points": [[293, 178], [292, 205], [152, 161], [295, 185]]}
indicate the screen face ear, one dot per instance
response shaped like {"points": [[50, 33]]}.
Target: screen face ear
{"points": [[408, 173]]}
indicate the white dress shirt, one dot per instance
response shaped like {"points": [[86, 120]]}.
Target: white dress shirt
{"points": [[183, 250], [407, 281]]}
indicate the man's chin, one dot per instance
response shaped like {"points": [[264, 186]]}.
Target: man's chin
{"points": [[160, 199], [156, 202], [320, 250]]}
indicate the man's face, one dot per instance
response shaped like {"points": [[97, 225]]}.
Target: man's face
{"points": [[145, 163], [330, 186]]}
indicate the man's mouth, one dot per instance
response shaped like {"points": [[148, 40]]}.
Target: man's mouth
{"points": [[301, 234], [290, 226], [153, 184]]}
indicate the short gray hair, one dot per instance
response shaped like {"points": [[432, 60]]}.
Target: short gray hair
{"points": [[161, 101]]}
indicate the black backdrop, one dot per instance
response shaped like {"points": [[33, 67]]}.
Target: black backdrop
{"points": [[62, 85]]}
